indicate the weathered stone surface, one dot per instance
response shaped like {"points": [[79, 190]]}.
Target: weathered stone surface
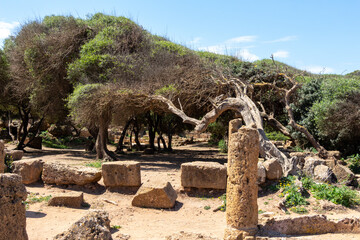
{"points": [[242, 190], [94, 226], [343, 174], [155, 195], [203, 175], [2, 156], [14, 154], [311, 163], [56, 173], [69, 199], [311, 224], [121, 174], [12, 217], [261, 173], [30, 170], [235, 125], [189, 236], [323, 173], [273, 169]]}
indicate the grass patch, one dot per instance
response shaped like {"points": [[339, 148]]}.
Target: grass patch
{"points": [[207, 207], [33, 198], [299, 210], [95, 164]]}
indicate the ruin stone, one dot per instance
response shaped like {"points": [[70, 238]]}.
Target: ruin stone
{"points": [[155, 195], [36, 143], [311, 163], [273, 169], [30, 170], [343, 174], [211, 175], [2, 156], [12, 217], [94, 226], [69, 199], [242, 190], [15, 155], [57, 173], [261, 173], [323, 173], [121, 174]]}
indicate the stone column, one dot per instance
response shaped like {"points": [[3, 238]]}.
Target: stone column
{"points": [[12, 210], [2, 156], [242, 190]]}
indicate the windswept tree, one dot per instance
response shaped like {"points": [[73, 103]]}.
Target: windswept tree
{"points": [[38, 56]]}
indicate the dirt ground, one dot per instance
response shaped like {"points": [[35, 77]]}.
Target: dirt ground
{"points": [[189, 215]]}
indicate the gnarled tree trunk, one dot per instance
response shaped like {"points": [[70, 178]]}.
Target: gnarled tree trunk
{"points": [[101, 141]]}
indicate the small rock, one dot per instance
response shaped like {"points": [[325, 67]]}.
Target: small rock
{"points": [[70, 199], [273, 169], [29, 170], [261, 173], [155, 195], [311, 163], [95, 226]]}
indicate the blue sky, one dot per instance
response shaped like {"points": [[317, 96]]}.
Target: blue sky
{"points": [[316, 35]]}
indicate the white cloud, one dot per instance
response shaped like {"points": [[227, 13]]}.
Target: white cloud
{"points": [[246, 55], [241, 39], [219, 49], [281, 54], [283, 39], [195, 41], [319, 69], [6, 28]]}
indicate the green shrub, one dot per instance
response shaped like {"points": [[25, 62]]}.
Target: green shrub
{"points": [[353, 163], [8, 162], [299, 210], [223, 148], [277, 136], [95, 164], [339, 195], [293, 196]]}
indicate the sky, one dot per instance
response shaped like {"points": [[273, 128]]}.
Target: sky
{"points": [[320, 36]]}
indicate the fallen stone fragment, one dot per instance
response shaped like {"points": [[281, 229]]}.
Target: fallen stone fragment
{"points": [[323, 174], [189, 236], [70, 199], [29, 170], [311, 163], [12, 211], [94, 226], [155, 195], [261, 178], [121, 174], [57, 173], [310, 224], [210, 175], [15, 155], [273, 169], [343, 174]]}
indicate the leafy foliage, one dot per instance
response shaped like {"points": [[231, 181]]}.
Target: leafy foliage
{"points": [[353, 162]]}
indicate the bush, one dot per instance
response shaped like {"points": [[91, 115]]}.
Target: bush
{"points": [[223, 148], [293, 196], [353, 162], [277, 136]]}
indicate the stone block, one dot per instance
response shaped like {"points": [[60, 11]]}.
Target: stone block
{"points": [[30, 170], [12, 217], [273, 169], [155, 195], [57, 173], [15, 155], [323, 173], [70, 199], [343, 174], [121, 174], [210, 175]]}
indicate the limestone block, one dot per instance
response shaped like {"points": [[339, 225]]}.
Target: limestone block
{"points": [[12, 217], [203, 175], [273, 169], [2, 156], [30, 170], [57, 173], [343, 174], [323, 173], [14, 154], [70, 199], [311, 163], [121, 174], [155, 195], [95, 225]]}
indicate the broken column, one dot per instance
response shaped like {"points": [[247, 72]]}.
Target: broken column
{"points": [[242, 190], [2, 156], [12, 217]]}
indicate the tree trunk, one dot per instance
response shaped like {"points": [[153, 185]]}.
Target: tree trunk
{"points": [[136, 130], [101, 142], [24, 114], [120, 145]]}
